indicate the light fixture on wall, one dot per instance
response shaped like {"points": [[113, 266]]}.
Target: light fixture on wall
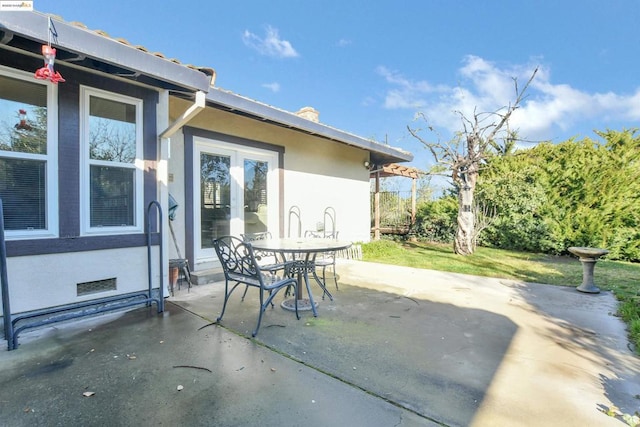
{"points": [[366, 164]]}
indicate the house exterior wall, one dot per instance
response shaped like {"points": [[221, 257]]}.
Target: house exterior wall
{"points": [[320, 174], [46, 263], [44, 272], [50, 280], [316, 174]]}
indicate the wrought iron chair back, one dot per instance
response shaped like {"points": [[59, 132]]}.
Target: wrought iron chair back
{"points": [[240, 266], [294, 211], [268, 261], [326, 259], [263, 235], [329, 219]]}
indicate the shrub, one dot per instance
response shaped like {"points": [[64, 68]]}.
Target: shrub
{"points": [[436, 219]]}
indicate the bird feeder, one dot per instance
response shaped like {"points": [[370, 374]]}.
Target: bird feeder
{"points": [[47, 72]]}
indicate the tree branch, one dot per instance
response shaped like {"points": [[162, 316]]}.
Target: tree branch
{"points": [[520, 95]]}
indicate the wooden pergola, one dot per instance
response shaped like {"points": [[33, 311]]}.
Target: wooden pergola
{"points": [[389, 170]]}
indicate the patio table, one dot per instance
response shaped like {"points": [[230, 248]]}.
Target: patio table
{"points": [[302, 253]]}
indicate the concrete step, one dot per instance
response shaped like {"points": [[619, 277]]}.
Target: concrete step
{"points": [[202, 277]]}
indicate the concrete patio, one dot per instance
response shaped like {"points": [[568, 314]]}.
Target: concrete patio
{"points": [[397, 346]]}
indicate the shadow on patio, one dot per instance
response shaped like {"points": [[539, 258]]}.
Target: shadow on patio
{"points": [[434, 359], [397, 347]]}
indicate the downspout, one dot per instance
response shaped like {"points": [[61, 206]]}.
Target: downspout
{"points": [[185, 117], [181, 121]]}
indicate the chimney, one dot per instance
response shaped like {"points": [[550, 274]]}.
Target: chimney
{"points": [[309, 113]]}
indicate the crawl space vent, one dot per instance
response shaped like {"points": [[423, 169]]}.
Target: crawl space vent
{"points": [[96, 286]]}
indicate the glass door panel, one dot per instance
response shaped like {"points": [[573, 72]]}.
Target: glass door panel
{"points": [[235, 192], [215, 198], [255, 196]]}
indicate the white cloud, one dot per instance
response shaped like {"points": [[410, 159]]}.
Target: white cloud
{"points": [[344, 42], [406, 93], [270, 45], [485, 87], [368, 101], [273, 87]]}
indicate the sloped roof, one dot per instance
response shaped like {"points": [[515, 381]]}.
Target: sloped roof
{"points": [[95, 51], [380, 153]]}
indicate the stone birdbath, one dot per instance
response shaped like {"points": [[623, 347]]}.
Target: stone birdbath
{"points": [[588, 257]]}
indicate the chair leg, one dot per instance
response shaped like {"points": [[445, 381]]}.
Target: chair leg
{"points": [[227, 293], [324, 279], [263, 307], [187, 274], [245, 293], [271, 300], [306, 281], [247, 288], [335, 275], [322, 285]]}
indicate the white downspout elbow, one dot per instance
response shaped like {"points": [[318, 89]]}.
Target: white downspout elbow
{"points": [[190, 113]]}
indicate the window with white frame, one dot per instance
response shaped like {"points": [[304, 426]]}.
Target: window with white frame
{"points": [[113, 165], [28, 155]]}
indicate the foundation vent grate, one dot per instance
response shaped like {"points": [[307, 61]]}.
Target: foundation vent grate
{"points": [[96, 286]]}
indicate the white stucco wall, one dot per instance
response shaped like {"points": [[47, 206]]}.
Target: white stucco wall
{"points": [[314, 193], [318, 173], [41, 281]]}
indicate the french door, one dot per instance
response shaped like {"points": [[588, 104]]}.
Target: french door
{"points": [[236, 192]]}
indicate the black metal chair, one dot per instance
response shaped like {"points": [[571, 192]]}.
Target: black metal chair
{"points": [[268, 261], [323, 261], [241, 267], [326, 230], [294, 211]]}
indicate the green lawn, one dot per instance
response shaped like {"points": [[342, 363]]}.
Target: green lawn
{"points": [[623, 278]]}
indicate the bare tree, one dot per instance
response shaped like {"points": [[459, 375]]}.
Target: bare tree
{"points": [[466, 153]]}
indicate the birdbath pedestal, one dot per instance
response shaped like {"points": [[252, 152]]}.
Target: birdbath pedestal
{"points": [[588, 257]]}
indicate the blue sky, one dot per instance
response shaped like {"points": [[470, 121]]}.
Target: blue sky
{"points": [[369, 66]]}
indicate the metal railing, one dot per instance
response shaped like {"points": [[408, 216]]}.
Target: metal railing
{"points": [[395, 208]]}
